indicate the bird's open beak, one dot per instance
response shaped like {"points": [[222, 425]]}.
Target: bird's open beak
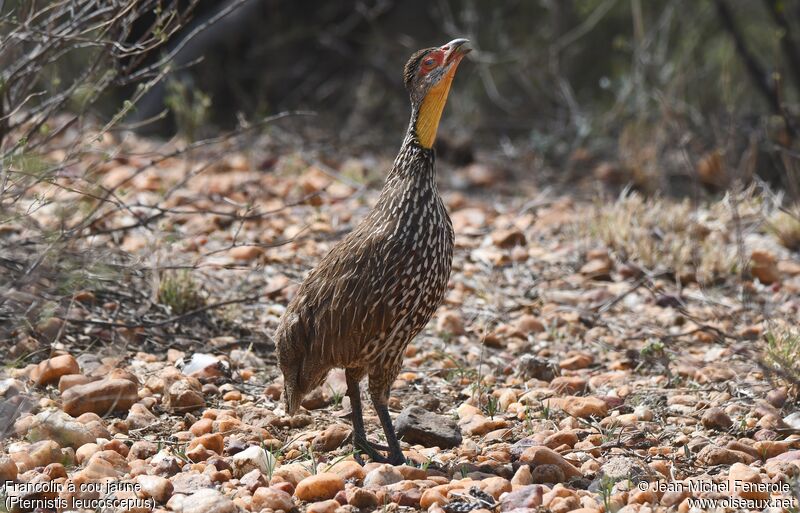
{"points": [[455, 50]]}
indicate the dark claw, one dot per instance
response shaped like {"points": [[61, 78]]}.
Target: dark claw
{"points": [[370, 450], [397, 459]]}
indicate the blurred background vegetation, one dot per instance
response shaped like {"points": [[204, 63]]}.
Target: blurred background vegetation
{"points": [[697, 99], [661, 94]]}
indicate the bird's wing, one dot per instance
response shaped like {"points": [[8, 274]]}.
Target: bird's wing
{"points": [[347, 300]]}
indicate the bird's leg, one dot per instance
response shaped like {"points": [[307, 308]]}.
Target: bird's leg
{"points": [[379, 392], [396, 456], [357, 418]]}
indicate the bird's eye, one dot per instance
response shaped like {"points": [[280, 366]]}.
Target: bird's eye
{"points": [[430, 61]]}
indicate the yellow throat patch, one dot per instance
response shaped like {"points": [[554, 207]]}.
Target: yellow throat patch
{"points": [[430, 111]]}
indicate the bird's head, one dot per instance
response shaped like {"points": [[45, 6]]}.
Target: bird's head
{"points": [[428, 76]]}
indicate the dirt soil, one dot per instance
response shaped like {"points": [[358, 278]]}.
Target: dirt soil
{"points": [[622, 354]]}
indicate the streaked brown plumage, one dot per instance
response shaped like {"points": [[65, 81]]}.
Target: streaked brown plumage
{"points": [[377, 288]]}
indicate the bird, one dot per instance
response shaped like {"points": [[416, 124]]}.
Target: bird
{"points": [[378, 287]]}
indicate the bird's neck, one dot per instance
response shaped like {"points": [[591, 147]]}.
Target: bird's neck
{"points": [[410, 195], [414, 161], [427, 112], [413, 176]]}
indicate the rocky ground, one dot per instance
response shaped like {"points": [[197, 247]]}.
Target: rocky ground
{"points": [[591, 355]]}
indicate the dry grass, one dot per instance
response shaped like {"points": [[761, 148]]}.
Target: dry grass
{"points": [[665, 236], [180, 292], [786, 227], [782, 354]]}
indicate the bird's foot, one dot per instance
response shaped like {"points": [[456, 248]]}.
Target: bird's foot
{"points": [[372, 450], [379, 458], [397, 459]]}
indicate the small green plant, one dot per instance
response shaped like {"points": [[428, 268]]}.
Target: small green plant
{"points": [[309, 452], [387, 504], [764, 451], [426, 463], [190, 106], [459, 372], [275, 455], [336, 397], [606, 489], [553, 333], [340, 458], [19, 362], [654, 354], [180, 292], [180, 452], [611, 433], [492, 405], [528, 422], [652, 348], [545, 412]]}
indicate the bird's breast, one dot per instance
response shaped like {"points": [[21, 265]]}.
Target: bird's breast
{"points": [[419, 251]]}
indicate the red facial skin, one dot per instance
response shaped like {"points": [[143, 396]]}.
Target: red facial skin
{"points": [[442, 56], [432, 61]]}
